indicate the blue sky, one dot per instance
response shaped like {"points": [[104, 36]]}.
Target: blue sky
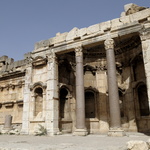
{"points": [[25, 22]]}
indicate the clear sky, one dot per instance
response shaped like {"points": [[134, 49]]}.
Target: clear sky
{"points": [[25, 22]]}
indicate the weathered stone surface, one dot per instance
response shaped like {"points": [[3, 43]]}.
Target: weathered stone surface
{"points": [[132, 8], [41, 88], [137, 145], [74, 33]]}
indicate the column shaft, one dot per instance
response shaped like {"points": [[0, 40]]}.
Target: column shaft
{"points": [[115, 121], [80, 100]]}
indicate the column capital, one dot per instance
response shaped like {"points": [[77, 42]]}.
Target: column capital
{"points": [[51, 57], [145, 34], [109, 44], [78, 51]]}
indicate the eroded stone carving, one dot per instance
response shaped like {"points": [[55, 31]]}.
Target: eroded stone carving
{"points": [[109, 44], [79, 51]]}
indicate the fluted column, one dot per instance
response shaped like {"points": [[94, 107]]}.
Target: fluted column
{"points": [[80, 100], [115, 121]]}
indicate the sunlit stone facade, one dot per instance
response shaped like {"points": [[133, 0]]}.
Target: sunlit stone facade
{"points": [[89, 80]]}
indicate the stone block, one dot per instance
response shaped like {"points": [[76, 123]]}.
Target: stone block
{"points": [[41, 44], [137, 145], [105, 26], [74, 33], [116, 23], [60, 37], [125, 19], [83, 32], [139, 15], [93, 29]]}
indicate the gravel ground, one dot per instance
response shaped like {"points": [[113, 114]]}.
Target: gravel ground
{"points": [[67, 142]]}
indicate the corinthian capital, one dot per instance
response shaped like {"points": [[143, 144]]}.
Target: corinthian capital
{"points": [[52, 57], [109, 44], [79, 51]]}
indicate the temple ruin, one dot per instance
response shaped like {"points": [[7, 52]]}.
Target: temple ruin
{"points": [[92, 80]]}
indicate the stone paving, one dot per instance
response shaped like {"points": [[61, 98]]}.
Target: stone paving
{"points": [[68, 142]]}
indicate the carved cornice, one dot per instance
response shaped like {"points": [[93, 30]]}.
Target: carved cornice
{"points": [[109, 44], [78, 51]]}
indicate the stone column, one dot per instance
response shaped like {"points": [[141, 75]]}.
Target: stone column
{"points": [[80, 100], [26, 101], [115, 121], [145, 41], [52, 96]]}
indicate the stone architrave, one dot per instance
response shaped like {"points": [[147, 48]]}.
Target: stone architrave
{"points": [[26, 102], [80, 100], [52, 96], [145, 41], [115, 121]]}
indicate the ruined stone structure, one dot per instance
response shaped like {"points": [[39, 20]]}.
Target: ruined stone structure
{"points": [[89, 80]]}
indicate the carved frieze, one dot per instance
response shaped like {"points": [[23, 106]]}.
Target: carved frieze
{"points": [[109, 44]]}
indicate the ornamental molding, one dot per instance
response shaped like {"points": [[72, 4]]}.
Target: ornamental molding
{"points": [[38, 84], [39, 61]]}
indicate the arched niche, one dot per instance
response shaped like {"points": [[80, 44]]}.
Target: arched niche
{"points": [[38, 94], [90, 103], [64, 95]]}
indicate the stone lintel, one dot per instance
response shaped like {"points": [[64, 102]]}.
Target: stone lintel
{"points": [[80, 132]]}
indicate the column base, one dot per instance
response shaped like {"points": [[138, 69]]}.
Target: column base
{"points": [[80, 132], [116, 132]]}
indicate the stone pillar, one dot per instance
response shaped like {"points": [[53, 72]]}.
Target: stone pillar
{"points": [[8, 121], [80, 100], [115, 121], [52, 96], [145, 41], [26, 101]]}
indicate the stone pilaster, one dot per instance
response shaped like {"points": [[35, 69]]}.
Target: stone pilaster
{"points": [[80, 100], [115, 121], [26, 102], [52, 96], [145, 41]]}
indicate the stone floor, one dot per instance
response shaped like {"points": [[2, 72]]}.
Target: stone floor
{"points": [[68, 142]]}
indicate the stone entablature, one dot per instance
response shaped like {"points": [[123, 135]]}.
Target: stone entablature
{"points": [[96, 30]]}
